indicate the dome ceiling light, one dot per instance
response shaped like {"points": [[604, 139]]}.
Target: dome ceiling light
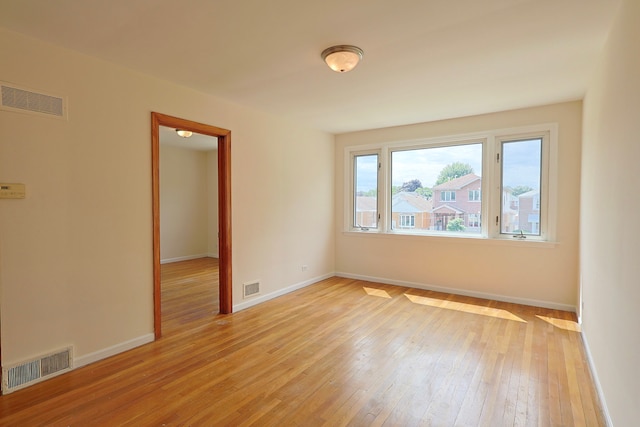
{"points": [[184, 133], [342, 58]]}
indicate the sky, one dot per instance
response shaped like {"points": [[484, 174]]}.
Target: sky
{"points": [[426, 164], [521, 162]]}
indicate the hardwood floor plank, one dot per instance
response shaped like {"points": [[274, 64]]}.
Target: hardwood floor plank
{"points": [[339, 352], [524, 400]]}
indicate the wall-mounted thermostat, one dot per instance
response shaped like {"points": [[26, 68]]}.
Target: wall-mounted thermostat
{"points": [[12, 191]]}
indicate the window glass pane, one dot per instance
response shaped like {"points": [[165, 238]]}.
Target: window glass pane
{"points": [[431, 188], [521, 179], [366, 191]]}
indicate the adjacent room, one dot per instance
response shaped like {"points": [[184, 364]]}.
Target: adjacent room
{"points": [[189, 252], [334, 213]]}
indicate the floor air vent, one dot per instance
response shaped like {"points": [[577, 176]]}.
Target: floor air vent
{"points": [[34, 371], [251, 289], [28, 101]]}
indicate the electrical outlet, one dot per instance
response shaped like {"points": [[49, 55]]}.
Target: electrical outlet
{"points": [[305, 267]]}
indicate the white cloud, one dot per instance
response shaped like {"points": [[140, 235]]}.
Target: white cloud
{"points": [[425, 164]]}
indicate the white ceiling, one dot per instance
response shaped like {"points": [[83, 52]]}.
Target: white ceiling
{"points": [[424, 59], [197, 141]]}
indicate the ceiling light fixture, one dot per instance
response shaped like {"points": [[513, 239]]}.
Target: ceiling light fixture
{"points": [[342, 58], [184, 133]]}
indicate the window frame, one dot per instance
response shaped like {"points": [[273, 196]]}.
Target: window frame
{"points": [[477, 219], [412, 221], [387, 152], [450, 193], [350, 213], [490, 190], [547, 184]]}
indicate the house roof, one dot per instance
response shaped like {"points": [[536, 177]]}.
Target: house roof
{"points": [[458, 183], [409, 202], [266, 56], [366, 204], [449, 208], [531, 193]]}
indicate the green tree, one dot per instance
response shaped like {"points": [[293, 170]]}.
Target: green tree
{"points": [[452, 171], [520, 189], [456, 224], [369, 193], [425, 192]]}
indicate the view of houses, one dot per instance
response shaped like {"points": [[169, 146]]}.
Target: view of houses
{"points": [[454, 205]]}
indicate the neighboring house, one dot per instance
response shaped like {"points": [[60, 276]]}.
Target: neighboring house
{"points": [[510, 210], [529, 212], [410, 211], [458, 198], [366, 211], [461, 198]]}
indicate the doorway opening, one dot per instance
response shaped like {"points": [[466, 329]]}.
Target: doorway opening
{"points": [[224, 208]]}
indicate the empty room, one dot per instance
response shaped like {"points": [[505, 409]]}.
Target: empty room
{"points": [[319, 213]]}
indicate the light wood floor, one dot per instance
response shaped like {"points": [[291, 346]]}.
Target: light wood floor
{"points": [[189, 294], [339, 352]]}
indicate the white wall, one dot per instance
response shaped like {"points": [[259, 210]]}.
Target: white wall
{"points": [[188, 191], [515, 271], [610, 234], [76, 254]]}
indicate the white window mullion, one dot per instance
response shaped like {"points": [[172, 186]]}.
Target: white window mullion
{"points": [[384, 185], [490, 188]]}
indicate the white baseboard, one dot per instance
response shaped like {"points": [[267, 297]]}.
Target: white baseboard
{"points": [[183, 258], [213, 255], [262, 298], [468, 293], [596, 381], [112, 351]]}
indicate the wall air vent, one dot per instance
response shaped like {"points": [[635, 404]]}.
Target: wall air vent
{"points": [[251, 289], [34, 371], [27, 101]]}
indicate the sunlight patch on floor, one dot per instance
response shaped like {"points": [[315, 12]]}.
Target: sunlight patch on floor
{"points": [[376, 292], [567, 325], [467, 308]]}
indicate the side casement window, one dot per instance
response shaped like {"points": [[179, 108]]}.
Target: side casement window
{"points": [[523, 164], [365, 191]]}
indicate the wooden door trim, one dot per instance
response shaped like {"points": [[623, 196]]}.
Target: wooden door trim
{"points": [[224, 207]]}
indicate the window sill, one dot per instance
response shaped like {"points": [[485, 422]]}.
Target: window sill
{"points": [[453, 239]]}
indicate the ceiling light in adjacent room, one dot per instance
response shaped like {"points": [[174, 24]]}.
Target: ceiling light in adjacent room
{"points": [[342, 58], [184, 133]]}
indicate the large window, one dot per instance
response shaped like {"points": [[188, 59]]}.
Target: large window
{"points": [[493, 185], [433, 182]]}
